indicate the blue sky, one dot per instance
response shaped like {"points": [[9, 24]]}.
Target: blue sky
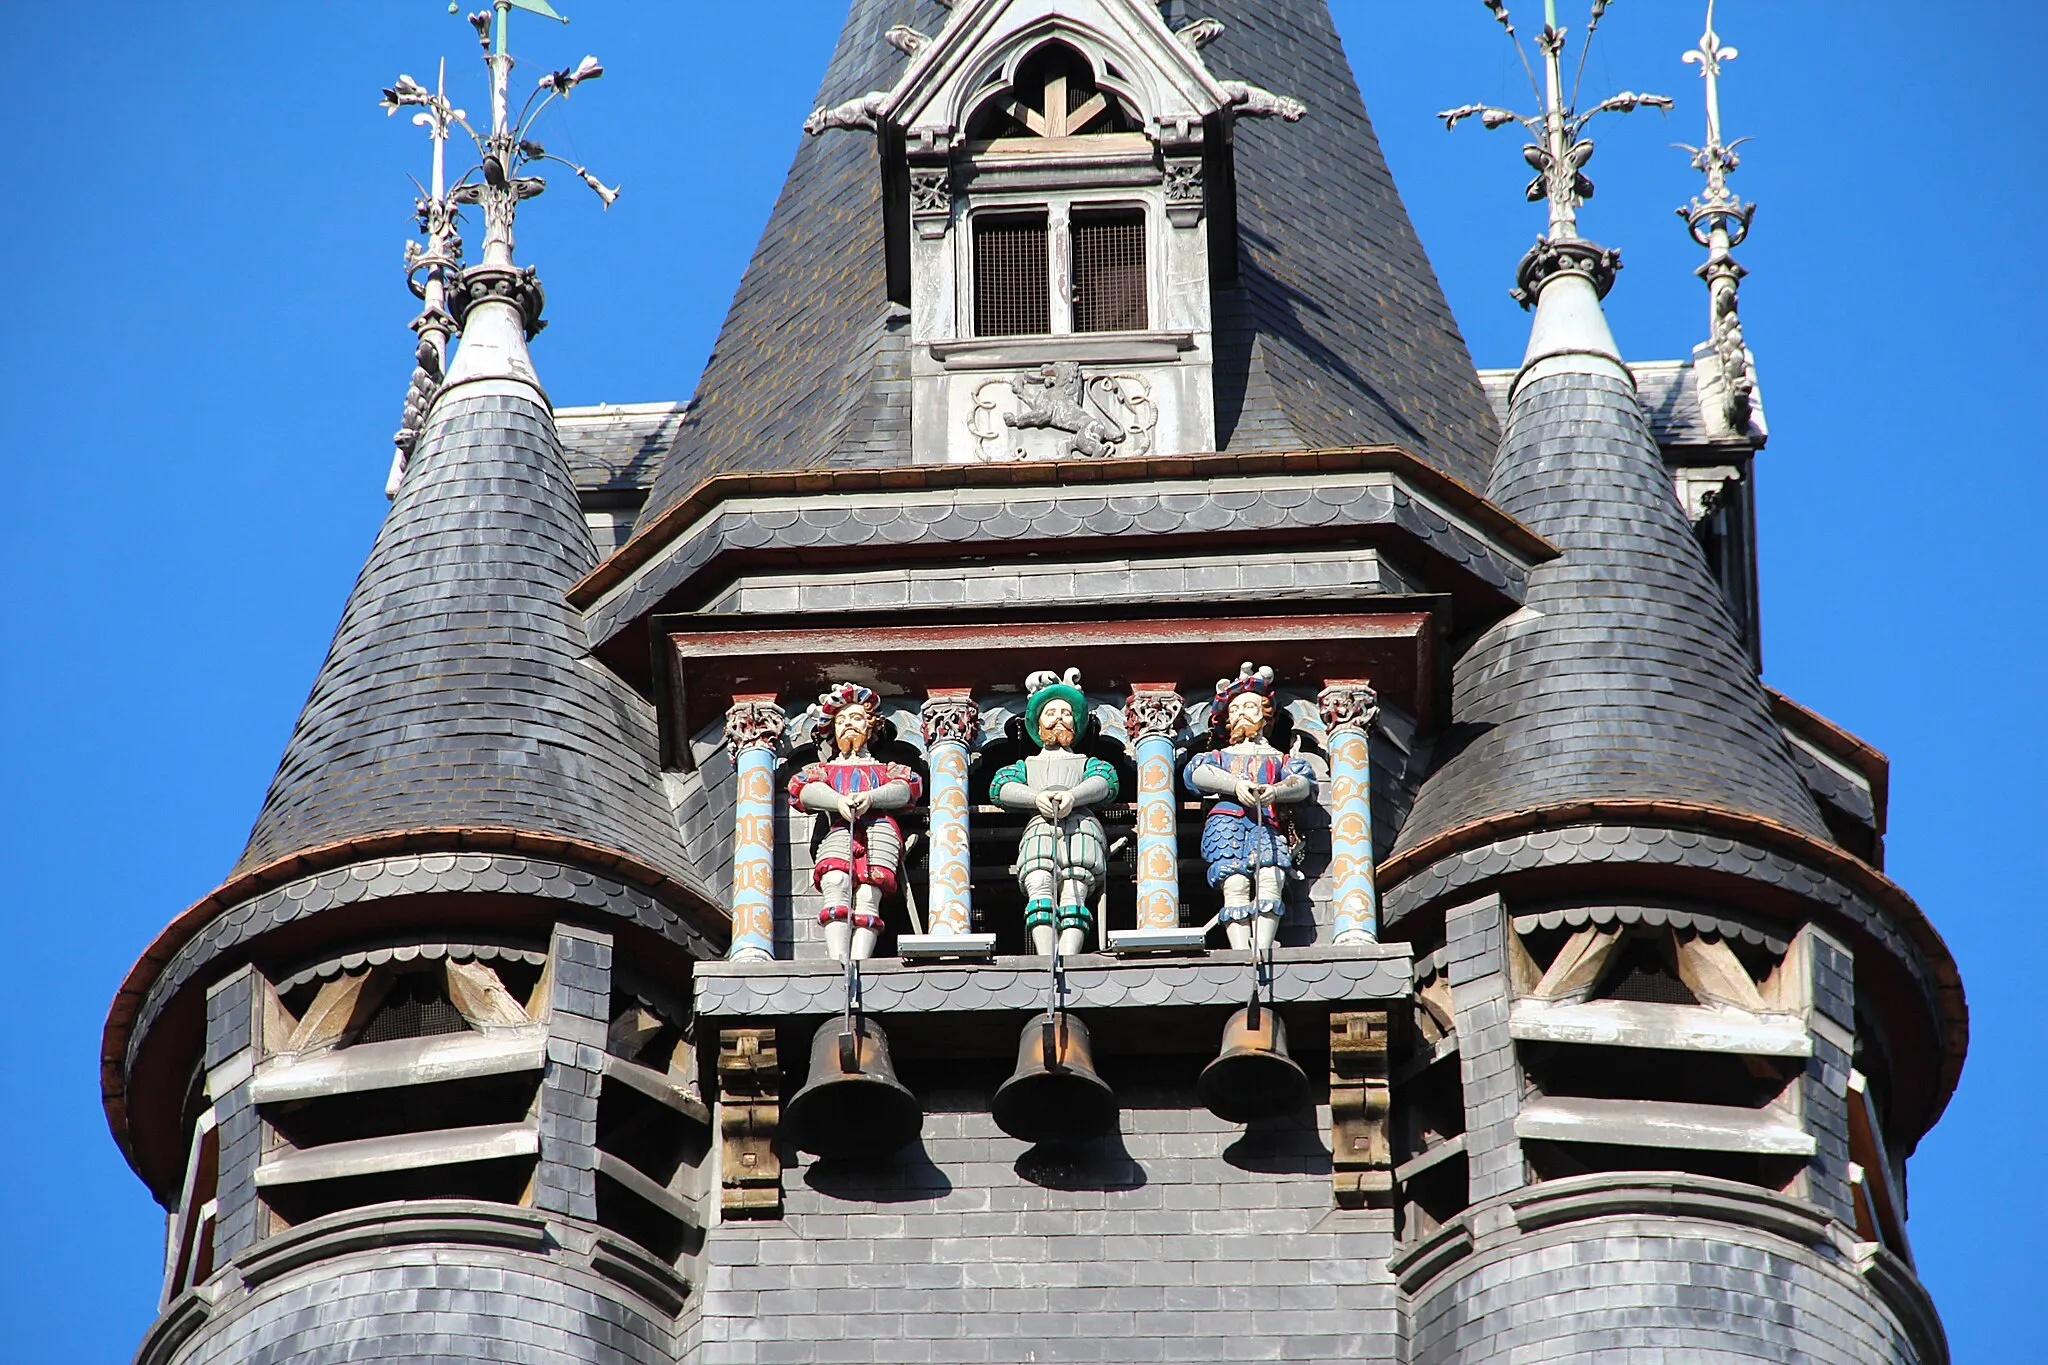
{"points": [[205, 352]]}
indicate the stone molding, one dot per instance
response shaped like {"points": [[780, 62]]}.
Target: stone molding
{"points": [[788, 989]]}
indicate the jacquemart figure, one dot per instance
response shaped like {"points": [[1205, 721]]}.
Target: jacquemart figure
{"points": [[1064, 854], [861, 854], [1248, 838]]}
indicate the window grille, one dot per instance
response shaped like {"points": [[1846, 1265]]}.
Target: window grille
{"points": [[417, 1007], [1012, 296], [1109, 270]]}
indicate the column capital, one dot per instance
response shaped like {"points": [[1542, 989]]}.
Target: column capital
{"points": [[754, 722], [1348, 702], [1153, 710], [949, 713]]}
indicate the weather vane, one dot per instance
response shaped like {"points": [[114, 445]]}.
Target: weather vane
{"points": [[436, 272], [1558, 152], [1719, 221]]}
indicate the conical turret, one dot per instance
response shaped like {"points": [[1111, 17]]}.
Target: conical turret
{"points": [[1624, 679]]}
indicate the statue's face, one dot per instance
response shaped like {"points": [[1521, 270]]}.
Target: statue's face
{"points": [[1056, 724], [851, 728], [1247, 716]]}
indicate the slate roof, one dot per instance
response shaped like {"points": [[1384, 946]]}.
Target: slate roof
{"points": [[1624, 678], [616, 447], [1338, 335], [455, 692], [1668, 390]]}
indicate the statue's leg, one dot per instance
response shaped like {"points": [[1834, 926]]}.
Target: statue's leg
{"points": [[867, 921], [836, 889], [1269, 907], [1075, 918], [1080, 882], [1037, 874], [1237, 909]]}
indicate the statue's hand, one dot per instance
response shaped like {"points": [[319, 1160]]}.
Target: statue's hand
{"points": [[1055, 805], [853, 805], [1253, 794]]}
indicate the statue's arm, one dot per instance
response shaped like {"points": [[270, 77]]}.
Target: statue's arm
{"points": [[1009, 789]]}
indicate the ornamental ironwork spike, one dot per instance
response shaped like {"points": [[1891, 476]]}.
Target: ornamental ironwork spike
{"points": [[432, 271], [1558, 150], [1719, 221]]}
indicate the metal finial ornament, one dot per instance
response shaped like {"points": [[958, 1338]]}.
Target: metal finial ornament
{"points": [[1719, 221], [1557, 152], [436, 272], [431, 271]]}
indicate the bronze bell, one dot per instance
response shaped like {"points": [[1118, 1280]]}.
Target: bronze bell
{"points": [[1054, 1094], [851, 1105], [1253, 1077]]}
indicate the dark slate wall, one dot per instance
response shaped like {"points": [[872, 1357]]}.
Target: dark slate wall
{"points": [[1182, 1240], [1624, 678], [1629, 1289], [1341, 325], [441, 1304], [1338, 335], [455, 691]]}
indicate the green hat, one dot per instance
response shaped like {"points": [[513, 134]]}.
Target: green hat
{"points": [[1047, 687]]}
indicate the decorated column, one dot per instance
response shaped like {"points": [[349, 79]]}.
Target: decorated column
{"points": [[1349, 706], [951, 725], [753, 735], [1152, 715]]}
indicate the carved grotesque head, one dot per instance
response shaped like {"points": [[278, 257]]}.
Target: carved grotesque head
{"points": [[1056, 724], [1248, 716], [851, 728]]}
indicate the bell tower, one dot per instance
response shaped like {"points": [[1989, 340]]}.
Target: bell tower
{"points": [[1113, 799]]}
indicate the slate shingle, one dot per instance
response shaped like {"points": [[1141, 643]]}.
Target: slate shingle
{"points": [[1337, 334], [1625, 678], [455, 691]]}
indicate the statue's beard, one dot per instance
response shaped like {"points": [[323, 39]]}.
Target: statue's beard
{"points": [[1243, 730], [1057, 733], [851, 742]]}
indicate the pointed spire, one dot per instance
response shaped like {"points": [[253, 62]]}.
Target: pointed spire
{"points": [[430, 271], [1563, 276], [496, 304], [457, 695], [1623, 681], [1719, 221]]}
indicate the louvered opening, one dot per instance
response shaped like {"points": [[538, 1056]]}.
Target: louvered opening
{"points": [[1109, 270], [1644, 974], [417, 1007], [1012, 296]]}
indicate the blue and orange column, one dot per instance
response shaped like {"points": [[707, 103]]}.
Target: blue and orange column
{"points": [[1152, 717], [952, 723], [1349, 706], [753, 735]]}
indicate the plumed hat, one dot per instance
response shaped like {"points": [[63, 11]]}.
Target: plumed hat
{"points": [[1045, 686], [837, 698], [1258, 681]]}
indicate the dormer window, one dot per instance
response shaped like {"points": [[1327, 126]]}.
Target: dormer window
{"points": [[1109, 270], [1063, 268], [1012, 289], [1055, 95]]}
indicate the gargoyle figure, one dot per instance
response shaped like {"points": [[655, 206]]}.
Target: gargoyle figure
{"points": [[1200, 33], [1251, 101], [907, 40], [1053, 397], [859, 114]]}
